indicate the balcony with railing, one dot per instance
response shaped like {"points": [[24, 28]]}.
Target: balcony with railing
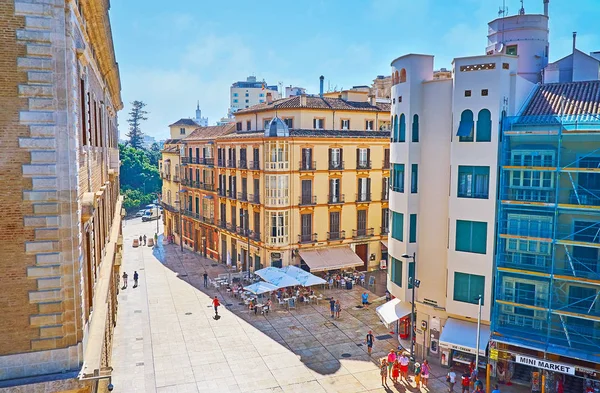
{"points": [[307, 238], [254, 198], [307, 166], [176, 178], [254, 235], [242, 164], [254, 165], [243, 231], [207, 220], [584, 197], [242, 196], [339, 235], [364, 232], [384, 230], [185, 182], [230, 163], [210, 161], [363, 164], [207, 186], [231, 194], [222, 192], [307, 200], [335, 199], [222, 224], [221, 162], [363, 197], [191, 214], [336, 165], [185, 160]]}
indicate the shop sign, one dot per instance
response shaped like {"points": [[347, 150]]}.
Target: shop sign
{"points": [[546, 364], [493, 354], [458, 348]]}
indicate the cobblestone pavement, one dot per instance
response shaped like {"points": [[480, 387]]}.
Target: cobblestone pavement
{"points": [[167, 340]]}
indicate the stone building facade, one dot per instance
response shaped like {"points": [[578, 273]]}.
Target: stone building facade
{"points": [[60, 237]]}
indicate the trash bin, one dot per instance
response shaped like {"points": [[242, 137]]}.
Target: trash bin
{"points": [[349, 284]]}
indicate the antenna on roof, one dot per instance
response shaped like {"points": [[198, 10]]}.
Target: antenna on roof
{"points": [[503, 11], [522, 10]]}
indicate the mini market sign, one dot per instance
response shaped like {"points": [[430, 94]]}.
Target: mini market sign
{"points": [[546, 365]]}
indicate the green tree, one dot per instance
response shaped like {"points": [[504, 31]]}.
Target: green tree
{"points": [[136, 116], [154, 154], [139, 178]]}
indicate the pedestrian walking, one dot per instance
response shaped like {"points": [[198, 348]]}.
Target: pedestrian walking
{"points": [[332, 307], [425, 369], [418, 375], [369, 341], [388, 296], [391, 358], [451, 379], [383, 370], [465, 382], [216, 305], [136, 276], [155, 239], [144, 240], [478, 384], [338, 309], [404, 361], [141, 238], [395, 371], [365, 299], [205, 279], [125, 280]]}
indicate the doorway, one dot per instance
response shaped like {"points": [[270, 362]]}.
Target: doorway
{"points": [[362, 250]]}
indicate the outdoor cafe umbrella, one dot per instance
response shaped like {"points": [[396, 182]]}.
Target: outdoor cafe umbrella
{"points": [[305, 278], [276, 277], [260, 288]]}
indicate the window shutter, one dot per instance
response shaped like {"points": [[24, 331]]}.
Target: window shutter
{"points": [[341, 155], [330, 156], [315, 124], [368, 156], [368, 188], [349, 124], [330, 187], [357, 156]]}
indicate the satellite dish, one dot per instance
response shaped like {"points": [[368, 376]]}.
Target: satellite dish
{"points": [[499, 47]]}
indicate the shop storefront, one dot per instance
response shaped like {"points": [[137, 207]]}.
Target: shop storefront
{"points": [[458, 343], [396, 314]]}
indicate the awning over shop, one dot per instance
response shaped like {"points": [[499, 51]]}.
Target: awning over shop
{"points": [[393, 310], [385, 243], [330, 258], [462, 336]]}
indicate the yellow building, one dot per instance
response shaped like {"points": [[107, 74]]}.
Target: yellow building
{"points": [[302, 180]]}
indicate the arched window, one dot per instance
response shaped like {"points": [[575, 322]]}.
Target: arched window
{"points": [[396, 78], [465, 127], [395, 129], [484, 126], [402, 76], [402, 136], [415, 128]]}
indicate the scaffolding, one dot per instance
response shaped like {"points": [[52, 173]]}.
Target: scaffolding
{"points": [[548, 235]]}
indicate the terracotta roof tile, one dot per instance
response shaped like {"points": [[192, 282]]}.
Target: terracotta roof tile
{"points": [[315, 102], [572, 99], [210, 132]]}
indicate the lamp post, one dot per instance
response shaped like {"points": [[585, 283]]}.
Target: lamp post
{"points": [[414, 283], [479, 300]]}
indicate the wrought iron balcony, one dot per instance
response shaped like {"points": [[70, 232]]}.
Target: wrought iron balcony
{"points": [[222, 192], [254, 165], [340, 235], [207, 220], [363, 165], [222, 224], [336, 165], [221, 162], [384, 230], [242, 196], [185, 160], [254, 235], [230, 163], [307, 200], [307, 166], [254, 198], [207, 186], [195, 160], [307, 238], [191, 214], [207, 161], [363, 197], [334, 199], [242, 164], [365, 232], [231, 194], [185, 181], [176, 178], [243, 231], [231, 227]]}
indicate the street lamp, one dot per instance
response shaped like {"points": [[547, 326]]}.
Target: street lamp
{"points": [[479, 300], [414, 283]]}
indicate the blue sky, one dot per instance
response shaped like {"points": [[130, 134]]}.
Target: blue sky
{"points": [[171, 57]]}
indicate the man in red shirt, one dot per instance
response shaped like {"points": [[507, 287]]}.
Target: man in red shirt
{"points": [[216, 304]]}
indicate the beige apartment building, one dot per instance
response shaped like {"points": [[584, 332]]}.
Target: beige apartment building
{"points": [[61, 227]]}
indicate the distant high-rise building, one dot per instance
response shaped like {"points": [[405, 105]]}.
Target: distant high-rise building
{"points": [[292, 91], [245, 94]]}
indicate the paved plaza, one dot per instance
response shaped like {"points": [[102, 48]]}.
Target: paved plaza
{"points": [[167, 340]]}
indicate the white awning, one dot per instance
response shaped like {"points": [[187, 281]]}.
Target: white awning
{"points": [[330, 258], [385, 243], [393, 310], [462, 336]]}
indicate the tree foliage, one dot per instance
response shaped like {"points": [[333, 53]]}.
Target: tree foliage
{"points": [[140, 179], [136, 116]]}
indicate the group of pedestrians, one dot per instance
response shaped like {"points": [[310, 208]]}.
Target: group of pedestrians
{"points": [[396, 365], [136, 277], [335, 307], [144, 239]]}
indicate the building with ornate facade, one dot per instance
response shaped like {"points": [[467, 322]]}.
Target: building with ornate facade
{"points": [[61, 226], [296, 181]]}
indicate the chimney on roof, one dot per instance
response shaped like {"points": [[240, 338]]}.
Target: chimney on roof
{"points": [[302, 100], [546, 7], [269, 98], [574, 40], [321, 80]]}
